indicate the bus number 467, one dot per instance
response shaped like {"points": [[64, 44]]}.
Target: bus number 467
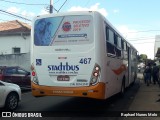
{"points": [[85, 60]]}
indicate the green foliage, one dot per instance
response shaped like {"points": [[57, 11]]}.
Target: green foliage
{"points": [[142, 57]]}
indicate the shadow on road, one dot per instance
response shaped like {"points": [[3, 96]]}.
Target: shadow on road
{"points": [[93, 107]]}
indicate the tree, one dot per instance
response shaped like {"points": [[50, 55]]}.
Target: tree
{"points": [[142, 57]]}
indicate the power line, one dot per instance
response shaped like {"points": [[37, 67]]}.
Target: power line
{"points": [[56, 2], [21, 3], [15, 15], [30, 4], [7, 15], [143, 43], [4, 20], [87, 2], [26, 3], [22, 15], [144, 31], [62, 5], [141, 39]]}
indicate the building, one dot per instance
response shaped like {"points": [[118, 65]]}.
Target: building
{"points": [[157, 46], [15, 37]]}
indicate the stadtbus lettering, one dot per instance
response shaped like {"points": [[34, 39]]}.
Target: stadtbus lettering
{"points": [[61, 67]]}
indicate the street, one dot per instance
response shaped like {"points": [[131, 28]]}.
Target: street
{"points": [[57, 106], [77, 108]]}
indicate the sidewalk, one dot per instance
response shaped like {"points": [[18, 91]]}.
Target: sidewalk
{"points": [[147, 99]]}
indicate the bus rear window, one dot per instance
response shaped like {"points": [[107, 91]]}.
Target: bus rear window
{"points": [[65, 30]]}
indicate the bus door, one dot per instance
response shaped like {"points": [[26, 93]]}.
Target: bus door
{"points": [[129, 64]]}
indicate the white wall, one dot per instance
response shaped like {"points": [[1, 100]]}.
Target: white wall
{"points": [[22, 60], [9, 42]]}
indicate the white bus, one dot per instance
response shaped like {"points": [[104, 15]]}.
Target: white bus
{"points": [[80, 54]]}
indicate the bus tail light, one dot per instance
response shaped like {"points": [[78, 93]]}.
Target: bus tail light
{"points": [[95, 74], [34, 75]]}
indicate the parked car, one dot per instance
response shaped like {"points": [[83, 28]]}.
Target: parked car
{"points": [[16, 75], [10, 95]]}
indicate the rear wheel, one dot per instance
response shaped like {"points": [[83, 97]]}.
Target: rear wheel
{"points": [[12, 101], [122, 88], [135, 77]]}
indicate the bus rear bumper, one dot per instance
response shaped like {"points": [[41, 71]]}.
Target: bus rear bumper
{"points": [[97, 91]]}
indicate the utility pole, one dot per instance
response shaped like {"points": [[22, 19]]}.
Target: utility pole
{"points": [[51, 7]]}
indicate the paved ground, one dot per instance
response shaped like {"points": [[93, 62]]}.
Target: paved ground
{"points": [[147, 99], [145, 102]]}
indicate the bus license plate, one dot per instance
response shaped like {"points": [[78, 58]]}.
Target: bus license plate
{"points": [[63, 78]]}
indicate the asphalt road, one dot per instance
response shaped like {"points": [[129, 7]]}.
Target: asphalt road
{"points": [[71, 107], [79, 105]]}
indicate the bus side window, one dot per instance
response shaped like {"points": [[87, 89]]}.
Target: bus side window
{"points": [[110, 42], [128, 48], [122, 43], [122, 46], [115, 39], [125, 50], [118, 52], [110, 48], [111, 36], [117, 45], [107, 34], [125, 46]]}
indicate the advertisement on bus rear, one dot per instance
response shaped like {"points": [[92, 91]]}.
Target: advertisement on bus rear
{"points": [[68, 30]]}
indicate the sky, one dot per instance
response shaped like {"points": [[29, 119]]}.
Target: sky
{"points": [[137, 20]]}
